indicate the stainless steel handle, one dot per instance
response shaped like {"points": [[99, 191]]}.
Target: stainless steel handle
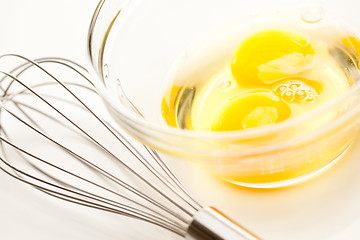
{"points": [[210, 224]]}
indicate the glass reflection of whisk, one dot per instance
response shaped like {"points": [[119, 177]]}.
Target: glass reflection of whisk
{"points": [[54, 141]]}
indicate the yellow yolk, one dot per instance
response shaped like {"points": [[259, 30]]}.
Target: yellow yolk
{"points": [[270, 55], [250, 110], [268, 63]]}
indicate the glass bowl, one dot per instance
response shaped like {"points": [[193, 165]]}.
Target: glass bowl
{"points": [[133, 44]]}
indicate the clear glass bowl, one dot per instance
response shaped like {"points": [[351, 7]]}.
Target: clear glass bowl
{"points": [[132, 44]]}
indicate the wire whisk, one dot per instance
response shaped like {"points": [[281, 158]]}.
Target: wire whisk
{"points": [[56, 136]]}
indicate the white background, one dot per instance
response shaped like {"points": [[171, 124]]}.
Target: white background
{"points": [[326, 207]]}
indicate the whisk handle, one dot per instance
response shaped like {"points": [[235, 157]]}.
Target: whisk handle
{"points": [[210, 224]]}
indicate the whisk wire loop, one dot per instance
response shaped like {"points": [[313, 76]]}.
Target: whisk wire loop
{"points": [[88, 173]]}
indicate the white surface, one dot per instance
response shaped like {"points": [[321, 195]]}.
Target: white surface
{"points": [[325, 207]]}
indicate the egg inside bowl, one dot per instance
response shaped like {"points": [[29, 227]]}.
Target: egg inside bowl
{"points": [[259, 98]]}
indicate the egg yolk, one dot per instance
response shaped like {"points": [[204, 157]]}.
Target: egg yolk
{"points": [[270, 55], [269, 64], [252, 109]]}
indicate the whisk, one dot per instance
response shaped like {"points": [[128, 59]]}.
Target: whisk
{"points": [[56, 136]]}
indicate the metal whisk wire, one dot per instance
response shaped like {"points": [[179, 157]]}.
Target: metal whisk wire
{"points": [[153, 153], [79, 177], [135, 212], [171, 176]]}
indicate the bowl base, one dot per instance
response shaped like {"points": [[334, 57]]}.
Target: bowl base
{"points": [[294, 180]]}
